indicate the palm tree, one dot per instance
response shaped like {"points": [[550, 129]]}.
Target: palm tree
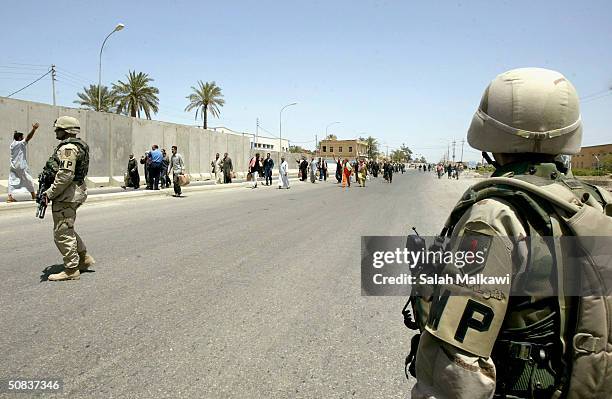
{"points": [[372, 145], [205, 98], [88, 99], [331, 137], [136, 95]]}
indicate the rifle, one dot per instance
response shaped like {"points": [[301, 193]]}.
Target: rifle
{"points": [[45, 180]]}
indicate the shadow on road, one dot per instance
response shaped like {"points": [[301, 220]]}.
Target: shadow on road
{"points": [[58, 268]]}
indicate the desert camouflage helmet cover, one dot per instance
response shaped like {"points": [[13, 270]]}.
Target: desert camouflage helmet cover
{"points": [[68, 123], [528, 110]]}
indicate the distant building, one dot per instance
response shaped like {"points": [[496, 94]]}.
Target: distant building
{"points": [[257, 142], [268, 143], [343, 148], [585, 159]]}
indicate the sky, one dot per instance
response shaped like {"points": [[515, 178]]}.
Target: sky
{"points": [[401, 71]]}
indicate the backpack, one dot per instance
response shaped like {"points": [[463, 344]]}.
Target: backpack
{"points": [[588, 373]]}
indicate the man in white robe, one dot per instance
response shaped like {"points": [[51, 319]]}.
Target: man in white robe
{"points": [[19, 174], [216, 169], [283, 174]]}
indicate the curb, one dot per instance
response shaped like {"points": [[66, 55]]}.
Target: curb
{"points": [[133, 194]]}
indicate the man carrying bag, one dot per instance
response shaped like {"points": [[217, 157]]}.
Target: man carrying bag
{"points": [[177, 166]]}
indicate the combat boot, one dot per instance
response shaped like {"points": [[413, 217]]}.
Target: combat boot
{"points": [[67, 274], [86, 261]]}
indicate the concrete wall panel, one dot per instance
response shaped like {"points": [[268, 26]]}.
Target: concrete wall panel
{"points": [[44, 142], [13, 116], [144, 134], [98, 139], [112, 138], [235, 150], [205, 152], [121, 143], [169, 134], [218, 144], [193, 138]]}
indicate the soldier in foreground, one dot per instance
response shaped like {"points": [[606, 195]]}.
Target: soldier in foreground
{"points": [[527, 345], [69, 162]]}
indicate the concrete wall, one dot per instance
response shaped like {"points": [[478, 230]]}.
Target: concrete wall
{"points": [[111, 139]]}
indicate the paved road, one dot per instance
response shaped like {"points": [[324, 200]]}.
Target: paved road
{"points": [[236, 293]]}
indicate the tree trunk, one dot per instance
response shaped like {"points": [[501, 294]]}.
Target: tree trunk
{"points": [[205, 114]]}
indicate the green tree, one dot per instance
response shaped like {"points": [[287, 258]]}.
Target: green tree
{"points": [[407, 153], [205, 98], [331, 137], [136, 95], [88, 99], [372, 144], [295, 149]]}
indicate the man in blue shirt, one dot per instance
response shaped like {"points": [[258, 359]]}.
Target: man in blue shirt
{"points": [[156, 157]]}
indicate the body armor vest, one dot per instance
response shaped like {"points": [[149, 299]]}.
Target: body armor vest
{"points": [[82, 163]]}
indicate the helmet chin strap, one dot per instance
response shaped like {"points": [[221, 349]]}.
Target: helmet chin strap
{"points": [[490, 161]]}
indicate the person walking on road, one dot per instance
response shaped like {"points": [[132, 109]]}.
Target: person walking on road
{"points": [[313, 169], [283, 174], [362, 173], [228, 168], [216, 169], [346, 174], [255, 169], [268, 166], [339, 170], [303, 169], [19, 173], [177, 166], [322, 169], [70, 164]]}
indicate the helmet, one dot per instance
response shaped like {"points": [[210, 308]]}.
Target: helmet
{"points": [[528, 110], [68, 123]]}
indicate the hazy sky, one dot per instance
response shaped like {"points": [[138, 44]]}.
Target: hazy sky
{"points": [[401, 71]]}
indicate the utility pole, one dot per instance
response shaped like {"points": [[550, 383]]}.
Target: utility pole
{"points": [[257, 132], [453, 151], [53, 81], [447, 151], [462, 142]]}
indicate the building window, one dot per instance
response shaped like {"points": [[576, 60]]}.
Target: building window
{"points": [[350, 149], [331, 149], [324, 148], [339, 149]]}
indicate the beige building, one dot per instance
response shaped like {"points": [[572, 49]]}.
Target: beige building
{"points": [[586, 158], [343, 148]]}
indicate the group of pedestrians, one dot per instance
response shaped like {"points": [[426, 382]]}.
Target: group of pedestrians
{"points": [[258, 167], [222, 169], [452, 171], [157, 168]]}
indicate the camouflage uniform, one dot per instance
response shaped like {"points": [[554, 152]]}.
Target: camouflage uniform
{"points": [[68, 192], [462, 352]]}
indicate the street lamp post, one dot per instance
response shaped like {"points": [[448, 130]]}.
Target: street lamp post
{"points": [[327, 127], [326, 135], [117, 29], [280, 130]]}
